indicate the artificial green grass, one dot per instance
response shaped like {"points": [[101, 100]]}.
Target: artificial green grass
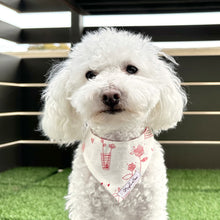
{"points": [[194, 194], [29, 193], [33, 194]]}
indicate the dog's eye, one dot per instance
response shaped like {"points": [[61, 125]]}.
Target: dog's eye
{"points": [[90, 75], [131, 69]]}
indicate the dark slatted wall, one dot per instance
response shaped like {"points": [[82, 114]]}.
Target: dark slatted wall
{"points": [[21, 83], [195, 143]]}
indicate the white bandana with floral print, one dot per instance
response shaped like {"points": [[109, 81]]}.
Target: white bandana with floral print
{"points": [[118, 166]]}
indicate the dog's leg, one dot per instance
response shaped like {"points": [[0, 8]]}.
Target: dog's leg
{"points": [[84, 193], [155, 182], [77, 199]]}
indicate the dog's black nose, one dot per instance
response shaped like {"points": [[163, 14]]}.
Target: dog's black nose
{"points": [[111, 98]]}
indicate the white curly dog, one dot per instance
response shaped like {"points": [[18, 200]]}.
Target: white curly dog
{"points": [[113, 93]]}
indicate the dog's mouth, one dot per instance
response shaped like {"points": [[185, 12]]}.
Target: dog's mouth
{"points": [[112, 111]]}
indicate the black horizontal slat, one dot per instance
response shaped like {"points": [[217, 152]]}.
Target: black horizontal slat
{"points": [[36, 5], [203, 98], [38, 35], [192, 128], [36, 155], [190, 69], [31, 70], [144, 6], [195, 127], [43, 5], [10, 99], [14, 4], [192, 156], [9, 32], [31, 98], [113, 7], [140, 2], [200, 98], [147, 8], [174, 33], [45, 35], [36, 70], [176, 156], [10, 129], [10, 157], [9, 66], [30, 128], [199, 68], [47, 155]]}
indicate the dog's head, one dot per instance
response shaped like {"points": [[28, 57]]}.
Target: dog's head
{"points": [[112, 79]]}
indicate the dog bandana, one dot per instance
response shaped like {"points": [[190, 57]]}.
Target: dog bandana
{"points": [[118, 166]]}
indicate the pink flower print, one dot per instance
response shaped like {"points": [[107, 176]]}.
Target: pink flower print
{"points": [[139, 151], [103, 143], [144, 159], [112, 146], [106, 155], [116, 194], [131, 167]]}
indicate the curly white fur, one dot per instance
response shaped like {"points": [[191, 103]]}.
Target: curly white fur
{"points": [[152, 97]]}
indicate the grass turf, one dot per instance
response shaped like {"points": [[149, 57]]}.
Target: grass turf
{"points": [[31, 193]]}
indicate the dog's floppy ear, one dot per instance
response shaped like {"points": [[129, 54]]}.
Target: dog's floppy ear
{"points": [[169, 110], [59, 121]]}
